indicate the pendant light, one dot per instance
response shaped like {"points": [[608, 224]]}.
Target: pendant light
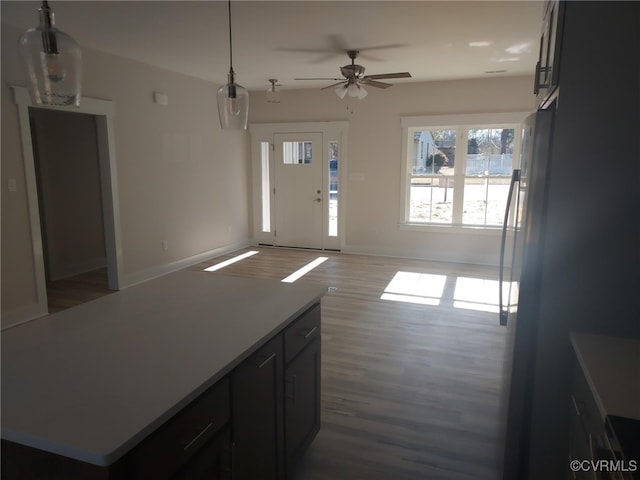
{"points": [[233, 99], [53, 61], [273, 92]]}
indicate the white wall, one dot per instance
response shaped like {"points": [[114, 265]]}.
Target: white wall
{"points": [[373, 194], [180, 177]]}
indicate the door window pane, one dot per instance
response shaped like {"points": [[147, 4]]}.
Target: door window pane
{"points": [[297, 153], [333, 189], [266, 187]]}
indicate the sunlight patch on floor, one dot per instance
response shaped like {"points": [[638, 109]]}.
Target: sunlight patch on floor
{"points": [[413, 287], [226, 263], [477, 294], [304, 270]]}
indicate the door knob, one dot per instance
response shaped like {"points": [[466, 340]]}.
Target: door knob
{"points": [[318, 200]]}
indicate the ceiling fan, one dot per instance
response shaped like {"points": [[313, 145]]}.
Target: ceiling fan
{"points": [[354, 79]]}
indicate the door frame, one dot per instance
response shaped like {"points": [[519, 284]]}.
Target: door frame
{"points": [[331, 132], [104, 111]]}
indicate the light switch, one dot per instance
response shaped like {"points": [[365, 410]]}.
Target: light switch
{"points": [[13, 186], [160, 98]]}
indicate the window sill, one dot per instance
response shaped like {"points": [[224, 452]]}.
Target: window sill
{"points": [[450, 229]]}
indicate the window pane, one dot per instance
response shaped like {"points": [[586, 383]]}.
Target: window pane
{"points": [[266, 187], [485, 200], [431, 199], [434, 152], [490, 151], [297, 153], [333, 189]]}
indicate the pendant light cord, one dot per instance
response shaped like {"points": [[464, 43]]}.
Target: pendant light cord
{"points": [[230, 41]]}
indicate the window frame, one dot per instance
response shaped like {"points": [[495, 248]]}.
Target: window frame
{"points": [[462, 123]]}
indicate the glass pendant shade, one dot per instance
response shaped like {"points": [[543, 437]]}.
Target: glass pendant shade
{"points": [[341, 91], [273, 92], [233, 106], [353, 89], [53, 62]]}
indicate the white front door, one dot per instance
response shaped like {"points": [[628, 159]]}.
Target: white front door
{"points": [[299, 189]]}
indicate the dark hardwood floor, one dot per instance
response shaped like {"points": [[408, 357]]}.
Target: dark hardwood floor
{"points": [[409, 391], [72, 291]]}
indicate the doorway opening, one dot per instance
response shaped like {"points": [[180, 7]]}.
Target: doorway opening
{"points": [[72, 195], [69, 187]]}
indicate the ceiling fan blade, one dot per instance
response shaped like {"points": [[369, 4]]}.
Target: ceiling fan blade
{"points": [[320, 78], [332, 85], [389, 75], [337, 45], [373, 83]]}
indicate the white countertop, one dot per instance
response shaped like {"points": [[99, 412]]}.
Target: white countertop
{"points": [[611, 366], [91, 382]]}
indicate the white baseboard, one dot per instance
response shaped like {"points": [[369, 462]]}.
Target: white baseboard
{"points": [[23, 315], [67, 271], [128, 280], [422, 254]]}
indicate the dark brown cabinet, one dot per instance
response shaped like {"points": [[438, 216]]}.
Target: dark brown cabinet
{"points": [[547, 75], [302, 386], [586, 426], [257, 418], [212, 462], [178, 440], [302, 403]]}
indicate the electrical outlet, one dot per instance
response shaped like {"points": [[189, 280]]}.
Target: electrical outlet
{"points": [[12, 184], [165, 245]]}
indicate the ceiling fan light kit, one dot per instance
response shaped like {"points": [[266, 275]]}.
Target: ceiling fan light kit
{"points": [[351, 89], [233, 99], [53, 61], [355, 79]]}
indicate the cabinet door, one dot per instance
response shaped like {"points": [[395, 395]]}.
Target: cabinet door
{"points": [[257, 412], [302, 403], [548, 66]]}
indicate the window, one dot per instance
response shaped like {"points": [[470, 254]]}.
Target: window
{"points": [[265, 186], [333, 188], [297, 153], [457, 169]]}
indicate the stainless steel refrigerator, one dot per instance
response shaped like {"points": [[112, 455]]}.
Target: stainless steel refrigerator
{"points": [[520, 278], [575, 248]]}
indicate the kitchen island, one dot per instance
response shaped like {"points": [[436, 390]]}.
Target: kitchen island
{"points": [[107, 387]]}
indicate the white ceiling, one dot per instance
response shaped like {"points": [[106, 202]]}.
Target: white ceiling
{"points": [[290, 39]]}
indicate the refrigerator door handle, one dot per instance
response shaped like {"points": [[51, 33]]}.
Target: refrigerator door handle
{"points": [[515, 177]]}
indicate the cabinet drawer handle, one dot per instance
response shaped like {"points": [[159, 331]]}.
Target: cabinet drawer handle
{"points": [[292, 381], [536, 86], [310, 332], [195, 439], [575, 405], [267, 360]]}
